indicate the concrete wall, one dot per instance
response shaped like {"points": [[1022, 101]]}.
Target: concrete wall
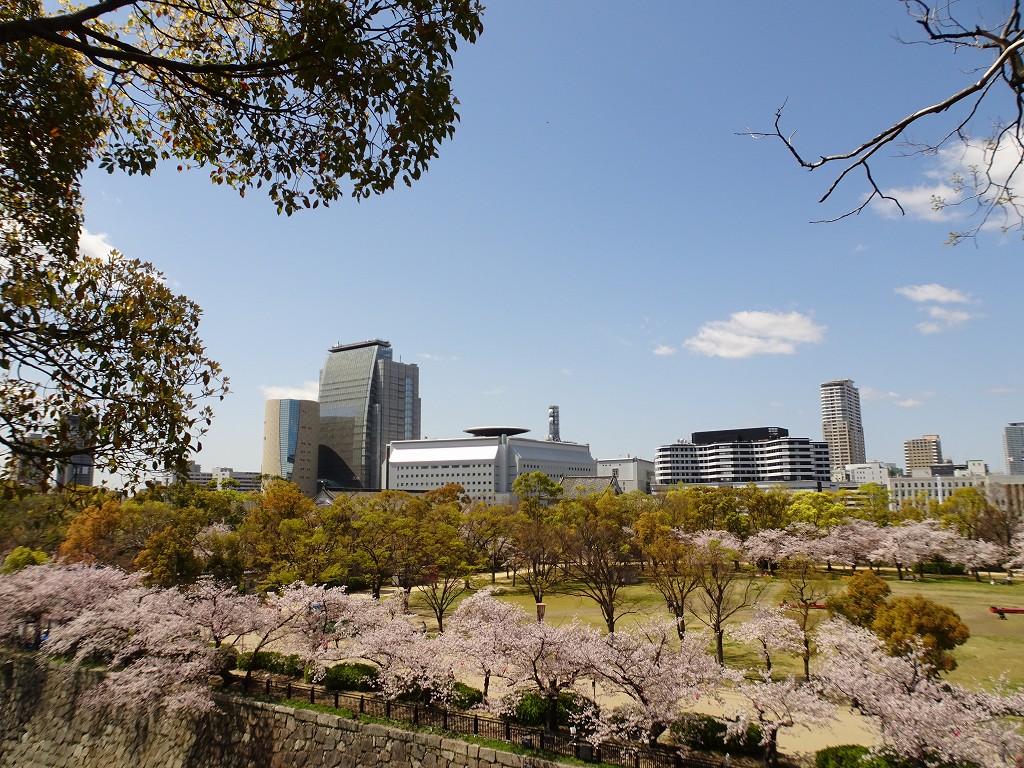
{"points": [[48, 721]]}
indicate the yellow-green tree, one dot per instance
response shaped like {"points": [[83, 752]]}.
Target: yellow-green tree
{"points": [[905, 622], [599, 551]]}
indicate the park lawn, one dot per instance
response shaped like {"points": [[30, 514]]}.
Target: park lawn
{"points": [[995, 648]]}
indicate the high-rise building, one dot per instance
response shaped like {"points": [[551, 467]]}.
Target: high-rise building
{"points": [[291, 431], [1013, 447], [922, 452], [366, 401], [78, 469], [841, 425]]}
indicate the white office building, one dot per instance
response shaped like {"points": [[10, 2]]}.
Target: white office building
{"points": [[484, 464], [1013, 447], [631, 473]]}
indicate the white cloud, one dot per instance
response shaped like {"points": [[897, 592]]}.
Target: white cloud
{"points": [[869, 393], [940, 318], [909, 403], [436, 358], [934, 292], [949, 182], [663, 350], [1002, 390], [750, 333], [308, 390], [567, 372], [496, 391], [943, 320], [94, 245]]}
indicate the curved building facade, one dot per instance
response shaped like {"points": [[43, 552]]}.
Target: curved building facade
{"points": [[290, 430], [366, 401]]}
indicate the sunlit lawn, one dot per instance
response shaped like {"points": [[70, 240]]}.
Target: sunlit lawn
{"points": [[996, 647]]}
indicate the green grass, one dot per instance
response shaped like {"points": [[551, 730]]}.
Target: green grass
{"points": [[993, 650]]}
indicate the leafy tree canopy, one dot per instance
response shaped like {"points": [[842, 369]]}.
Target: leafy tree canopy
{"points": [[98, 356]]}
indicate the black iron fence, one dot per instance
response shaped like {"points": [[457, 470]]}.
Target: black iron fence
{"points": [[487, 726]]}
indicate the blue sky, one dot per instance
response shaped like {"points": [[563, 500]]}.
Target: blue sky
{"points": [[598, 236]]}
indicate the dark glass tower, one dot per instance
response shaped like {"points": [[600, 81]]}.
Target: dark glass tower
{"points": [[366, 401]]}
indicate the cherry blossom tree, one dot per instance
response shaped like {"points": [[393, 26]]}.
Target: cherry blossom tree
{"points": [[480, 635], [658, 674], [409, 661], [552, 659], [775, 705], [724, 586], [911, 543], [852, 543], [155, 657], [924, 720], [41, 596], [770, 628]]}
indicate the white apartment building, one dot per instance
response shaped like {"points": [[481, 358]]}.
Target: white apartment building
{"points": [[760, 455]]}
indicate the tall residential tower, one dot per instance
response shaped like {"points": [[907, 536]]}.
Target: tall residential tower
{"points": [[366, 401], [290, 442], [841, 426]]}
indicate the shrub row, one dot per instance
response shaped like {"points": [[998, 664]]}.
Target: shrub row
{"points": [[856, 756]]}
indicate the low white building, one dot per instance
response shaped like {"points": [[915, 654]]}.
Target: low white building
{"points": [[632, 474], [870, 472], [485, 464]]}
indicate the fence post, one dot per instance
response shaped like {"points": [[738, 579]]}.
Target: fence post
{"points": [[312, 694], [415, 714], [288, 689], [362, 704], [636, 759], [387, 709], [268, 686], [508, 731], [476, 725], [335, 699]]}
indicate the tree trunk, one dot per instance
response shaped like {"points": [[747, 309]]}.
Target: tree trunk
{"points": [[553, 712], [771, 749], [719, 646]]}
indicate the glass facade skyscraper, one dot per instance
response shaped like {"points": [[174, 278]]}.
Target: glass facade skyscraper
{"points": [[366, 401]]}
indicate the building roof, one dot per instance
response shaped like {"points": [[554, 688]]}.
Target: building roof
{"points": [[473, 452], [584, 485]]}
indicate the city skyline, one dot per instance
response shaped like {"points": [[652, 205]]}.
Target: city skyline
{"points": [[599, 234]]}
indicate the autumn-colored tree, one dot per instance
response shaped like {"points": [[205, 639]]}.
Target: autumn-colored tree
{"points": [[904, 623], [536, 539], [487, 531], [94, 537], [865, 593], [599, 549], [671, 563], [445, 575], [287, 538]]}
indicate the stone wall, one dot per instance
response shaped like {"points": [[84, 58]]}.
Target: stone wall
{"points": [[46, 721]]}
